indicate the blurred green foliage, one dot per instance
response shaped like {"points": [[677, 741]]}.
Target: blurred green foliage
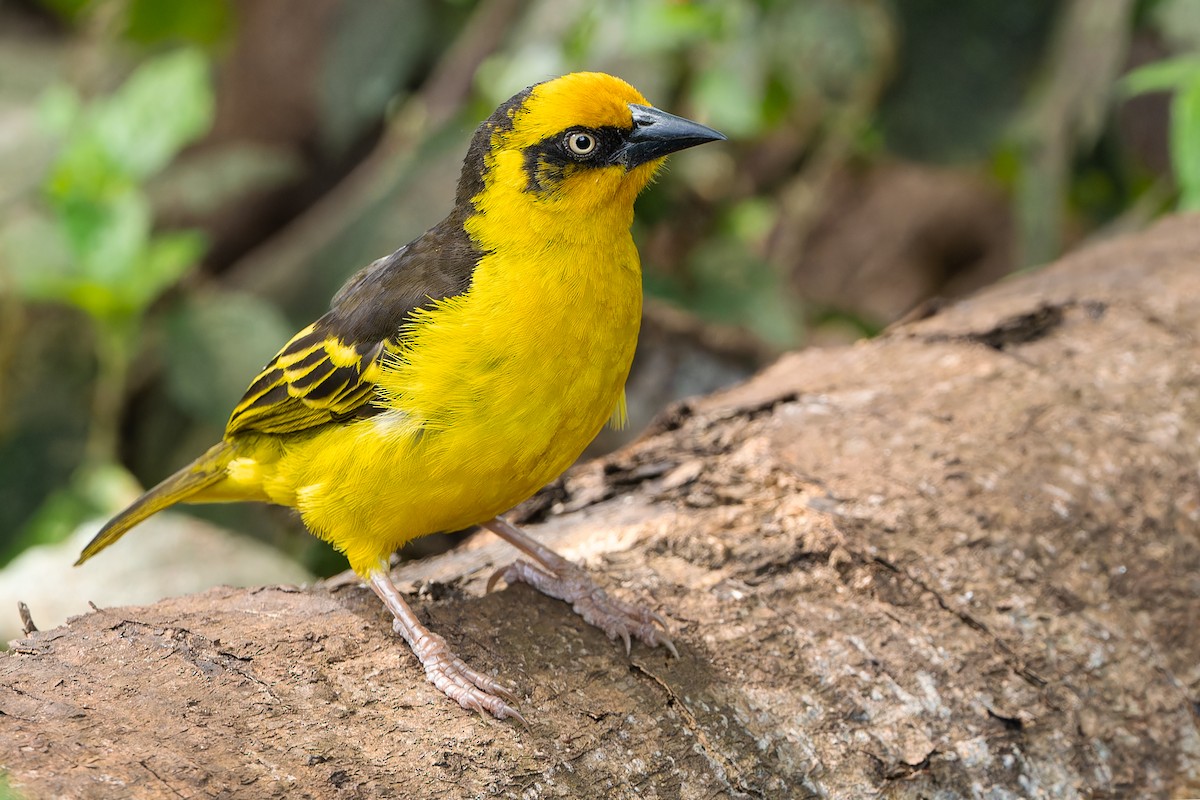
{"points": [[92, 245], [97, 249], [216, 340], [202, 22], [1181, 77], [955, 92], [205, 22], [351, 117], [7, 792]]}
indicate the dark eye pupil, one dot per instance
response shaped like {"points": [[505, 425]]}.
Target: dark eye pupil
{"points": [[581, 144]]}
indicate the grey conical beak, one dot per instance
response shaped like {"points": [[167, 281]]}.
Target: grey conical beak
{"points": [[656, 133]]}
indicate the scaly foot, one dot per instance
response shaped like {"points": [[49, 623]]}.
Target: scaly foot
{"points": [[470, 689], [564, 580]]}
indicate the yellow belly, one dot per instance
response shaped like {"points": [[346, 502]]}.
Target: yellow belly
{"points": [[500, 390]]}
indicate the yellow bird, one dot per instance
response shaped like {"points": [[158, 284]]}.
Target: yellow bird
{"points": [[455, 377]]}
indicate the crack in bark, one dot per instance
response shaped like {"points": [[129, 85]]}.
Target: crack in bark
{"points": [[1015, 662], [1023, 328], [725, 766], [146, 767]]}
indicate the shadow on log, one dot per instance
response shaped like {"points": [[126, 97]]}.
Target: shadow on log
{"points": [[959, 560]]}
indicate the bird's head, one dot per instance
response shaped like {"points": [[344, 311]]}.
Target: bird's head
{"points": [[583, 142]]}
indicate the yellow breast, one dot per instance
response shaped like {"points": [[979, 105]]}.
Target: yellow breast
{"points": [[508, 383], [497, 391]]}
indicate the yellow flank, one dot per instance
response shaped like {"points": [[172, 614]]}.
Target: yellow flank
{"points": [[480, 398]]}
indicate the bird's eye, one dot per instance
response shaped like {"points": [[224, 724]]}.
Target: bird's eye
{"points": [[581, 144]]}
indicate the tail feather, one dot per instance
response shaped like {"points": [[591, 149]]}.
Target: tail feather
{"points": [[205, 471]]}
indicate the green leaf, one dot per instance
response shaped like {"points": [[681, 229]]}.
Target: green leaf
{"points": [[164, 105], [199, 21], [1162, 76], [98, 258], [94, 188], [125, 138], [108, 239], [84, 172], [163, 262], [1185, 145]]}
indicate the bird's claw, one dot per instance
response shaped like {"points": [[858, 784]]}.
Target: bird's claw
{"points": [[469, 688], [616, 617]]}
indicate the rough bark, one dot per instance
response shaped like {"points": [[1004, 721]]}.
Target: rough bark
{"points": [[959, 560]]}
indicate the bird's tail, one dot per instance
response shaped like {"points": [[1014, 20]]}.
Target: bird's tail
{"points": [[205, 471]]}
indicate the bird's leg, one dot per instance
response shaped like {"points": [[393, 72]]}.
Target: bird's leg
{"points": [[564, 580], [445, 670]]}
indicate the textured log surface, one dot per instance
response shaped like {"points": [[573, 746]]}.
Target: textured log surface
{"points": [[959, 560]]}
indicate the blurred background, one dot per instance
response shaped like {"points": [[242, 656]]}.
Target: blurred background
{"points": [[183, 185]]}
